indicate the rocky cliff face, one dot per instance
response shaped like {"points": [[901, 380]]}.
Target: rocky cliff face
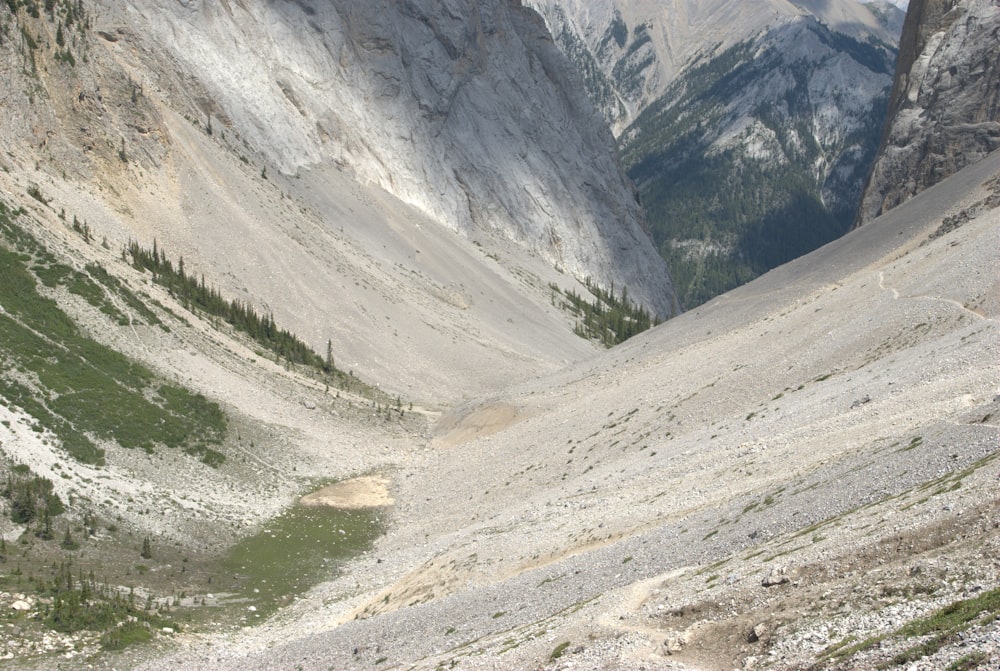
{"points": [[945, 107], [749, 127], [463, 109]]}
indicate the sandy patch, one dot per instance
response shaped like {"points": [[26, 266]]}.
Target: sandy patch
{"points": [[364, 492], [464, 426]]}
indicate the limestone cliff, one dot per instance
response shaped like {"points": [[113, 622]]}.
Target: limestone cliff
{"points": [[945, 107], [464, 109]]}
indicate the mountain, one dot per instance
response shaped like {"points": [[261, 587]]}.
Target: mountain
{"points": [[945, 107], [272, 145], [888, 14], [749, 127], [466, 112], [262, 417]]}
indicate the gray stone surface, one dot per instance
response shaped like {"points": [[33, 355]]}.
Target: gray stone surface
{"points": [[945, 108]]}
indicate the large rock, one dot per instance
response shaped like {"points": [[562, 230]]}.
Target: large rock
{"points": [[945, 107]]}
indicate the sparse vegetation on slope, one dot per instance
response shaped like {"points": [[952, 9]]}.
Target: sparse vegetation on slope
{"points": [[932, 632], [65, 600], [76, 388], [65, 21], [81, 603], [196, 295]]}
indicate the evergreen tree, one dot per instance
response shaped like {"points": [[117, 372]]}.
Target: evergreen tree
{"points": [[67, 542]]}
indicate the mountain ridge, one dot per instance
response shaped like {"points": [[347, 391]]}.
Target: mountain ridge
{"points": [[749, 128], [140, 147], [411, 129]]}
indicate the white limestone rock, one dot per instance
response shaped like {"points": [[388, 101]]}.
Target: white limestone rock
{"points": [[463, 109]]}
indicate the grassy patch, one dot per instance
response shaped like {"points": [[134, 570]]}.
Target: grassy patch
{"points": [[968, 662], [558, 651], [936, 630], [848, 647], [296, 550]]}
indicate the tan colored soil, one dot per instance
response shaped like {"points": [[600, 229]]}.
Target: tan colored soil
{"points": [[464, 426], [363, 492]]}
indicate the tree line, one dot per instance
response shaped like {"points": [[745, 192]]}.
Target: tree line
{"points": [[609, 318], [195, 294]]}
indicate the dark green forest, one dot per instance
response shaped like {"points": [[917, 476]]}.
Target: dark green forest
{"points": [[607, 318]]}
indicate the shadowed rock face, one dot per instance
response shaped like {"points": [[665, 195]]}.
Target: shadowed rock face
{"points": [[945, 108]]}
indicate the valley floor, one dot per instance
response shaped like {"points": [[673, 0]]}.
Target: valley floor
{"points": [[800, 474]]}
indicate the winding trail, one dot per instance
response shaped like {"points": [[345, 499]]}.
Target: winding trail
{"points": [[949, 301]]}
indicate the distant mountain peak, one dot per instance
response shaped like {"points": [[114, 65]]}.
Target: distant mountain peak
{"points": [[749, 127]]}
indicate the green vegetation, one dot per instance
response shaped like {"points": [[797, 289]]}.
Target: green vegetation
{"points": [[69, 603], [75, 387], [943, 625], [196, 296], [936, 630], [608, 319], [969, 662], [296, 550], [31, 497], [64, 14], [558, 651], [81, 603]]}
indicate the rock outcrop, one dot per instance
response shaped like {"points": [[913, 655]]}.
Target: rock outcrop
{"points": [[945, 107]]}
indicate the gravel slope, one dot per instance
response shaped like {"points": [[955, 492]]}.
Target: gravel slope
{"points": [[836, 419], [830, 428]]}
